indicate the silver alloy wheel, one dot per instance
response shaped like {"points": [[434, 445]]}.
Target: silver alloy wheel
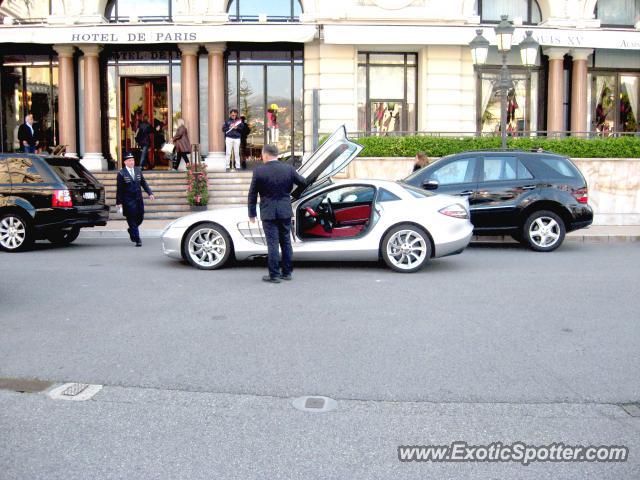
{"points": [[407, 249], [544, 231], [207, 247], [12, 233]]}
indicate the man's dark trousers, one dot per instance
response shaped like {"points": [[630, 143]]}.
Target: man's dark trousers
{"points": [[278, 233], [133, 210]]}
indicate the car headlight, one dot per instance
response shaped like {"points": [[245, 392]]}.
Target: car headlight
{"points": [[455, 210], [166, 229]]}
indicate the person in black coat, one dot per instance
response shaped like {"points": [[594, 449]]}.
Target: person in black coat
{"points": [[28, 135], [129, 195], [143, 138], [273, 181]]}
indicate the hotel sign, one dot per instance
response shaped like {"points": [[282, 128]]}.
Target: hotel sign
{"points": [[153, 34], [135, 37]]}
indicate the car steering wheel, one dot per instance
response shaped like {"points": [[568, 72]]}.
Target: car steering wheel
{"points": [[331, 214]]}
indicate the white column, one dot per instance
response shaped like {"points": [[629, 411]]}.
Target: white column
{"points": [[216, 115], [92, 159]]}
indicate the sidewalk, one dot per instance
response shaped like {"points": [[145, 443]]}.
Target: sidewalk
{"points": [[593, 234]]}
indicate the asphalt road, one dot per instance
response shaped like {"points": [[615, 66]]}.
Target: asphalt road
{"points": [[200, 368]]}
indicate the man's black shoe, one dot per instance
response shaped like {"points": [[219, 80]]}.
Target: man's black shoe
{"points": [[286, 277], [270, 279], [138, 244]]}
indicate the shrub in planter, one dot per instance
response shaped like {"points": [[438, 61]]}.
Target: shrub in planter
{"points": [[197, 184]]}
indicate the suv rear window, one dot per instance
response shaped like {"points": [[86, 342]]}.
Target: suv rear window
{"points": [[70, 170], [558, 167]]}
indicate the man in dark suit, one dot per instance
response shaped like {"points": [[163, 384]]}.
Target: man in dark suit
{"points": [[28, 136], [273, 181], [129, 195]]}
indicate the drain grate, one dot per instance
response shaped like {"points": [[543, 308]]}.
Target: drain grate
{"points": [[23, 385], [314, 403], [78, 392], [75, 389], [632, 409]]}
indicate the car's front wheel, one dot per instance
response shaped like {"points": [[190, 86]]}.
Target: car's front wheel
{"points": [[406, 248], [207, 246], [543, 231], [15, 232], [63, 237]]}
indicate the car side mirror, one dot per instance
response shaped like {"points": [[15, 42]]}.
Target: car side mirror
{"points": [[430, 184]]}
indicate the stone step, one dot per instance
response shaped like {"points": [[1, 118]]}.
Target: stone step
{"points": [[177, 181], [226, 194], [152, 216], [229, 200], [169, 209]]}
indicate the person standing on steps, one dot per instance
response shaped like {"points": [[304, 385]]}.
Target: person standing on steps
{"points": [[273, 181], [182, 144], [129, 196], [143, 138], [232, 130]]}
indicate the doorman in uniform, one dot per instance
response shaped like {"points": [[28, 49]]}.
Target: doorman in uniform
{"points": [[129, 195]]}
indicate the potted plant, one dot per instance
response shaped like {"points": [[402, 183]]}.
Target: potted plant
{"points": [[197, 186]]}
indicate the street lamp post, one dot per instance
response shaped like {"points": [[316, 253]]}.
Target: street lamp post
{"points": [[504, 36]]}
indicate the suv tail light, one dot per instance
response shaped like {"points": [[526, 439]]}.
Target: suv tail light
{"points": [[455, 210], [61, 198], [581, 195]]}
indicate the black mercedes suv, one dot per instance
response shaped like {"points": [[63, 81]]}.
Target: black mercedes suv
{"points": [[536, 197], [46, 197]]}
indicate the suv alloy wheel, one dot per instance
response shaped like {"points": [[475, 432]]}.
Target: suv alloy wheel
{"points": [[544, 231], [15, 232]]}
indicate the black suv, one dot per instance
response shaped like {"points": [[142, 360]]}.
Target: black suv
{"points": [[46, 197], [535, 197]]}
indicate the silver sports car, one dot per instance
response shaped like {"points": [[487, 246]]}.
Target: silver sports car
{"points": [[334, 220]]}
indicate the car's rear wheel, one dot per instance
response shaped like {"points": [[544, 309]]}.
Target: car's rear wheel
{"points": [[207, 246], [15, 232], [63, 237], [406, 248], [543, 231]]}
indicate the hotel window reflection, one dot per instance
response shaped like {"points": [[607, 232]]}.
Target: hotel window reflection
{"points": [[29, 85], [387, 93]]}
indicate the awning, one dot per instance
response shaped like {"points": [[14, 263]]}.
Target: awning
{"points": [[150, 34], [462, 35]]}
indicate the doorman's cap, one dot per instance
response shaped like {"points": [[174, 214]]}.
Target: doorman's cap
{"points": [[128, 155]]}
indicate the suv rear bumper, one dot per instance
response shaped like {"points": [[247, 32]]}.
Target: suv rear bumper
{"points": [[52, 218], [582, 216]]}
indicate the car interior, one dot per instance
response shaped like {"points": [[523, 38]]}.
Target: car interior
{"points": [[344, 212]]}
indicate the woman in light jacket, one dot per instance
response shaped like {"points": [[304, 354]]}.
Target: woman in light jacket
{"points": [[182, 144]]}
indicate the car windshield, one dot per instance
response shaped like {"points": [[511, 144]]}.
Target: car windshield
{"points": [[70, 170]]}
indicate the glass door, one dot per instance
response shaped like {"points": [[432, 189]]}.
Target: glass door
{"points": [[144, 98]]}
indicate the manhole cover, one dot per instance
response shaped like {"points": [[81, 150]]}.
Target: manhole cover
{"points": [[78, 392], [24, 385], [314, 403]]}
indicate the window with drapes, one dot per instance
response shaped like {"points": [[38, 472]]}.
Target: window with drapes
{"points": [[274, 10], [491, 10], [622, 13], [143, 10]]}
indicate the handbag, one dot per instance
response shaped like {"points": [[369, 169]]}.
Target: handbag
{"points": [[167, 148]]}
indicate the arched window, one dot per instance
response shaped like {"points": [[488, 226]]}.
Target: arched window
{"points": [[143, 10], [528, 10], [619, 13], [275, 10]]}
